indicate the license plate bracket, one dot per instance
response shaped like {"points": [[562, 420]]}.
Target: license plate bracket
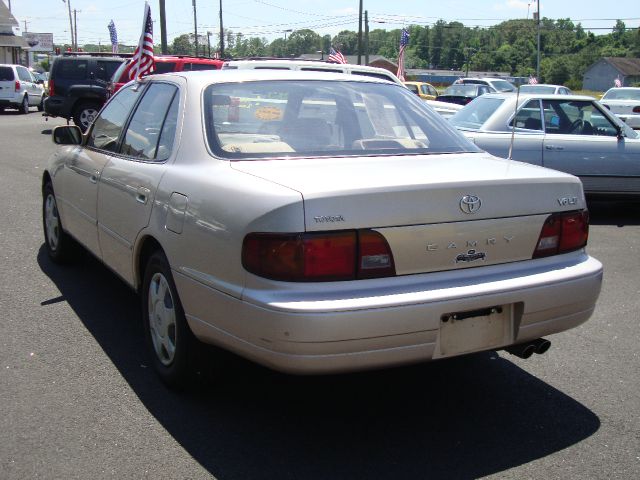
{"points": [[474, 330]]}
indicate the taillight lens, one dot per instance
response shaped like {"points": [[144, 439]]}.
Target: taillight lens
{"points": [[17, 86], [51, 88], [319, 257], [562, 233]]}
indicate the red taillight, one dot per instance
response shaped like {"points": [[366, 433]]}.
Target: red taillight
{"points": [[636, 109], [17, 86], [562, 233], [51, 88], [326, 256]]}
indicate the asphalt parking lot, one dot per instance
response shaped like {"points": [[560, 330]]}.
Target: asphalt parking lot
{"points": [[80, 401]]}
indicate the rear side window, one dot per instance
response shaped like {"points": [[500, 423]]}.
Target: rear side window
{"points": [[143, 132], [73, 70], [374, 75], [107, 127], [105, 70], [200, 66], [23, 74], [165, 67], [6, 74]]}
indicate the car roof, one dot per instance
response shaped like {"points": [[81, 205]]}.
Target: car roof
{"points": [[205, 77]]}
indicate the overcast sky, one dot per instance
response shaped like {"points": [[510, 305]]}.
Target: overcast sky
{"points": [[270, 18]]}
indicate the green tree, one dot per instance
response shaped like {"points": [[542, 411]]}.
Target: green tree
{"points": [[182, 45]]}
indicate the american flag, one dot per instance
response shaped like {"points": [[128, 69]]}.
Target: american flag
{"points": [[533, 80], [617, 83], [336, 56], [404, 41], [114, 36], [142, 62]]}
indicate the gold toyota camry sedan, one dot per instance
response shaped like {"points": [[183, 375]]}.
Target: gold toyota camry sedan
{"points": [[316, 222]]}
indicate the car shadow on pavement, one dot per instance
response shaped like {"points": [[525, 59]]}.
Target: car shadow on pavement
{"points": [[461, 418], [612, 212]]}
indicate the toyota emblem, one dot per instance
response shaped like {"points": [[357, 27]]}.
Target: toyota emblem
{"points": [[470, 204]]}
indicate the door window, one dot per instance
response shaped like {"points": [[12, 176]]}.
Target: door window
{"points": [[528, 117], [24, 75], [574, 117], [105, 70], [143, 134], [108, 125]]}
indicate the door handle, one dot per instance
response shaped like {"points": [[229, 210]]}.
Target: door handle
{"points": [[553, 147], [142, 195], [93, 178]]}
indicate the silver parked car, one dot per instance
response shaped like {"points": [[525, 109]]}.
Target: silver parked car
{"points": [[545, 88], [316, 222], [625, 103], [574, 134]]}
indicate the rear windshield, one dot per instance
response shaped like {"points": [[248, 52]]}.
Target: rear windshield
{"points": [[165, 67], [622, 94], [72, 69], [6, 74], [537, 89], [503, 86], [201, 66], [475, 114], [323, 118]]}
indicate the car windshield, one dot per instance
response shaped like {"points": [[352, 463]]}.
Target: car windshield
{"points": [[323, 118], [503, 86], [537, 89], [476, 113], [462, 90], [622, 94]]}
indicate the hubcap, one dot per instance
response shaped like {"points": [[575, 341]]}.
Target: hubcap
{"points": [[51, 222], [162, 319], [87, 115]]}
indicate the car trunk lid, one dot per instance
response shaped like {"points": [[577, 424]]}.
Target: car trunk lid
{"points": [[436, 212]]}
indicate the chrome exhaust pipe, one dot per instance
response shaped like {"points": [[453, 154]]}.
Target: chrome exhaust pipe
{"points": [[541, 345], [522, 350]]}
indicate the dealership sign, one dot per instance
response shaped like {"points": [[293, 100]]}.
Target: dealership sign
{"points": [[39, 42]]}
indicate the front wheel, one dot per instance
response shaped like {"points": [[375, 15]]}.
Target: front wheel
{"points": [[168, 337]]}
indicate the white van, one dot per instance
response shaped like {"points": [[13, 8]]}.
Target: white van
{"points": [[312, 66]]}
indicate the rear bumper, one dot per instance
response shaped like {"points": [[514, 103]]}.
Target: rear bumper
{"points": [[57, 107], [10, 102], [334, 328]]}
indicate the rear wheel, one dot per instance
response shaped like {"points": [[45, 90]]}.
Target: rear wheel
{"points": [[60, 246], [170, 341], [24, 106], [84, 114]]}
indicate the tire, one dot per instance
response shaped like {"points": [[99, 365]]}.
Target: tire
{"points": [[41, 104], [24, 106], [60, 246], [84, 114], [171, 344]]}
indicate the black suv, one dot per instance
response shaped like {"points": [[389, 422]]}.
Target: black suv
{"points": [[78, 87]]}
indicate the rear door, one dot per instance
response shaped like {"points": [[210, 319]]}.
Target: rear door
{"points": [[128, 182], [28, 85], [7, 83]]}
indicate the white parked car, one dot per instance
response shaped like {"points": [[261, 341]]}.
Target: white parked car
{"points": [[316, 222], [545, 88], [625, 103], [19, 89]]}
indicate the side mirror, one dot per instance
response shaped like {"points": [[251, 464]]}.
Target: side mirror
{"points": [[66, 135], [40, 82]]}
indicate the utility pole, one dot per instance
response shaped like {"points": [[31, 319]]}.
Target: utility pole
{"points": [[366, 37], [221, 34], [75, 28], [68, 2], [195, 25], [360, 35], [163, 28], [209, 43], [538, 62]]}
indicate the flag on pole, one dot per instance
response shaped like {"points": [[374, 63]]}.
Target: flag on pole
{"points": [[533, 80], [617, 83], [142, 62], [113, 35], [404, 41], [336, 56]]}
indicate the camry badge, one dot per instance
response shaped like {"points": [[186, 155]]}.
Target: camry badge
{"points": [[470, 204]]}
